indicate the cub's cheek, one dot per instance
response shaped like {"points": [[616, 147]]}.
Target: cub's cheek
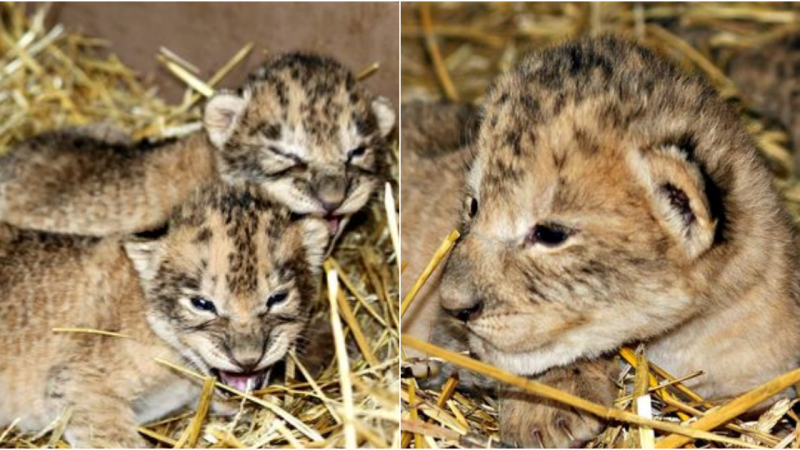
{"points": [[517, 332], [209, 357], [292, 332], [287, 192], [358, 196]]}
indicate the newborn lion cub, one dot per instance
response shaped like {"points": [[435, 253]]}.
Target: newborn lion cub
{"points": [[227, 290], [301, 128], [615, 200]]}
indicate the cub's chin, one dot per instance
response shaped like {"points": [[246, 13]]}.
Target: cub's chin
{"points": [[524, 363]]}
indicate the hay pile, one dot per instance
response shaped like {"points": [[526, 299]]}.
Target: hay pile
{"points": [[51, 78], [453, 51]]}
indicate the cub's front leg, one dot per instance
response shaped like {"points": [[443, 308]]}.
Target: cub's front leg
{"points": [[528, 421], [99, 415]]}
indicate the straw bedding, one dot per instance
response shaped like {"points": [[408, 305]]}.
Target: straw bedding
{"points": [[52, 78], [453, 51]]}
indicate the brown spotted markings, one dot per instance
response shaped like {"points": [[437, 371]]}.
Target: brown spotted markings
{"points": [[227, 290], [302, 128], [614, 200]]}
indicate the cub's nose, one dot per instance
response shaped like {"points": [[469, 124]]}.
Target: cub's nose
{"points": [[466, 314], [331, 192], [246, 352], [247, 363], [457, 295]]}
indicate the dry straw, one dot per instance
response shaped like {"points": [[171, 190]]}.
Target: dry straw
{"points": [[52, 78], [454, 51]]}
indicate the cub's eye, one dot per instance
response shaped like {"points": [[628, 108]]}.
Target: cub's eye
{"points": [[203, 304], [356, 152], [472, 207], [549, 235], [276, 299], [286, 155]]}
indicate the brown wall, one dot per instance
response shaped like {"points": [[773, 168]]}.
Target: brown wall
{"points": [[208, 34]]}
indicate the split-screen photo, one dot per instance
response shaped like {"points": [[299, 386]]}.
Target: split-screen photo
{"points": [[399, 225]]}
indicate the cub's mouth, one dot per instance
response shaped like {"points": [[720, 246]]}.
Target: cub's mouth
{"points": [[243, 381], [334, 222]]}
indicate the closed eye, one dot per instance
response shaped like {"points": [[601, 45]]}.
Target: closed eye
{"points": [[282, 172], [274, 149], [290, 162]]}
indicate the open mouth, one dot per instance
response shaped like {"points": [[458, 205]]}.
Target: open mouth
{"points": [[334, 221], [243, 381]]}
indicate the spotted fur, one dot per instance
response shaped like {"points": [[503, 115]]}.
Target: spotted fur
{"points": [[307, 131], [302, 128], [228, 245], [672, 233]]}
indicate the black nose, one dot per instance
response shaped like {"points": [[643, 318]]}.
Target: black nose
{"points": [[330, 207], [331, 190], [247, 364], [465, 314]]}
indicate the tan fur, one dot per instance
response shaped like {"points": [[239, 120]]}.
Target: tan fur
{"points": [[674, 235], [228, 245], [71, 182], [301, 127], [551, 424]]}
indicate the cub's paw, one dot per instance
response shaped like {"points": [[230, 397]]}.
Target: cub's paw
{"points": [[528, 423], [434, 374]]}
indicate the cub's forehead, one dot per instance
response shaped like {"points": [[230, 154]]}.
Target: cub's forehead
{"points": [[228, 202], [240, 216], [537, 155], [313, 92], [574, 102], [235, 236], [531, 137]]}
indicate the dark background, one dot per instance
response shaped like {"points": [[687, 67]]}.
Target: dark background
{"points": [[208, 34]]}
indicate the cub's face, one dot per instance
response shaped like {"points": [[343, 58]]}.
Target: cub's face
{"points": [[576, 238], [307, 133], [231, 284]]}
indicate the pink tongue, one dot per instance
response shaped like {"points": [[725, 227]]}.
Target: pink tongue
{"points": [[239, 381], [333, 225]]}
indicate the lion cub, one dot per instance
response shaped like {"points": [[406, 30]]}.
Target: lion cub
{"points": [[301, 128], [615, 200], [227, 290]]}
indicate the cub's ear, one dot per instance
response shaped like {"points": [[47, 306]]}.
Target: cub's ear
{"points": [[145, 256], [316, 238], [384, 112], [222, 114], [678, 194]]}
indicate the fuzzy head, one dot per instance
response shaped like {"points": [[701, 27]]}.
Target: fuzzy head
{"points": [[231, 283], [306, 132], [608, 193]]}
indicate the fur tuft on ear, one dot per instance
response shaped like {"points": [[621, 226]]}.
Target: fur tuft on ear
{"points": [[678, 193], [222, 114], [315, 240], [145, 256], [384, 112]]}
